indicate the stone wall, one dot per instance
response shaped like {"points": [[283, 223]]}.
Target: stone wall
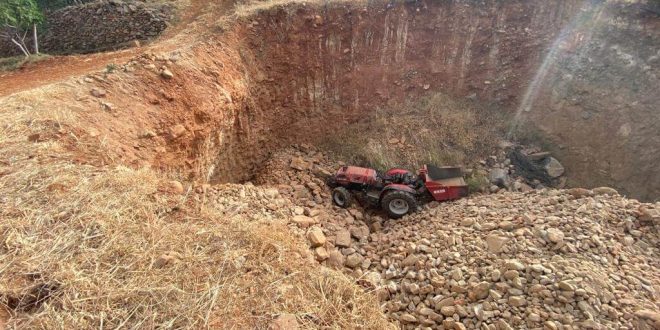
{"points": [[97, 26]]}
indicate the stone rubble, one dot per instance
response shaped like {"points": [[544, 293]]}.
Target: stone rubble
{"points": [[99, 25], [542, 259]]}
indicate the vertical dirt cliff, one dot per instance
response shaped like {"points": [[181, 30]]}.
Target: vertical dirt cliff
{"points": [[598, 100], [343, 60], [313, 70]]}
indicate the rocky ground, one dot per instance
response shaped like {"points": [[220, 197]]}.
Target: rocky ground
{"points": [[543, 258]]}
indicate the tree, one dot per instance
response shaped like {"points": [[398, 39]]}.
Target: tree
{"points": [[17, 18]]}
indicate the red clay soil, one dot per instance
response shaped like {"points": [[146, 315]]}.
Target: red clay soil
{"points": [[286, 76], [58, 68]]}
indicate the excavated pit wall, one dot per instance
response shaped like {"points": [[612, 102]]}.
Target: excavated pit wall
{"points": [[352, 59], [599, 100], [312, 70], [305, 71]]}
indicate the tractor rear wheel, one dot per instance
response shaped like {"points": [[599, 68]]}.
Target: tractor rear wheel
{"points": [[398, 203], [342, 197]]}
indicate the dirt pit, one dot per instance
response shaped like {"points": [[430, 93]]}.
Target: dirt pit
{"points": [[443, 79], [105, 182], [288, 75]]}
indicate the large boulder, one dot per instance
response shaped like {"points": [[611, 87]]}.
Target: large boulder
{"points": [[316, 236], [648, 214], [480, 291], [343, 238], [553, 167], [605, 191], [555, 235], [580, 192], [298, 163], [354, 260], [495, 243], [537, 166], [303, 221], [335, 259], [499, 177]]}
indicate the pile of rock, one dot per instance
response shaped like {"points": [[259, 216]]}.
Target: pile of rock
{"points": [[103, 25], [537, 166], [544, 259], [552, 259], [256, 203], [299, 174], [518, 168], [99, 25]]}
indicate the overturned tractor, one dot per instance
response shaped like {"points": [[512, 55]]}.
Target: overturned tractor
{"points": [[398, 191]]}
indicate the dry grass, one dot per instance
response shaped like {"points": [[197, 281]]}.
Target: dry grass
{"points": [[436, 130], [103, 247], [246, 8], [85, 247], [17, 62]]}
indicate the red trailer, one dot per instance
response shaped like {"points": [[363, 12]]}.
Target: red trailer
{"points": [[444, 183]]}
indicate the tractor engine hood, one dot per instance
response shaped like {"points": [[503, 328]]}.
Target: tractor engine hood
{"points": [[354, 174]]}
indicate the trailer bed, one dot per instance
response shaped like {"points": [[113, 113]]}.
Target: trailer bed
{"points": [[445, 183]]}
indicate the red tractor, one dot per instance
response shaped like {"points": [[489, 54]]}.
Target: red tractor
{"points": [[398, 191]]}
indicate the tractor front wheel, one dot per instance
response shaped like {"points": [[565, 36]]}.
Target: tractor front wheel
{"points": [[398, 203], [342, 197]]}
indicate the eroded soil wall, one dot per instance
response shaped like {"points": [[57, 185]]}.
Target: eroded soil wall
{"points": [[311, 70], [336, 63], [296, 73], [598, 102], [590, 65]]}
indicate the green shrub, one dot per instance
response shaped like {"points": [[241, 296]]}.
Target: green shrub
{"points": [[110, 68], [477, 183], [17, 62]]}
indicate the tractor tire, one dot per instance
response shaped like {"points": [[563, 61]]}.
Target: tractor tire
{"points": [[342, 197], [398, 203]]}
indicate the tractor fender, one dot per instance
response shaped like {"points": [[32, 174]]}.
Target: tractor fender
{"points": [[396, 187], [396, 171]]}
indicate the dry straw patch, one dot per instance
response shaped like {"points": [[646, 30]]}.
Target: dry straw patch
{"points": [[87, 247], [246, 8], [17, 62]]}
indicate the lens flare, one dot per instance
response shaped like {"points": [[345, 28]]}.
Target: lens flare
{"points": [[578, 31]]}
